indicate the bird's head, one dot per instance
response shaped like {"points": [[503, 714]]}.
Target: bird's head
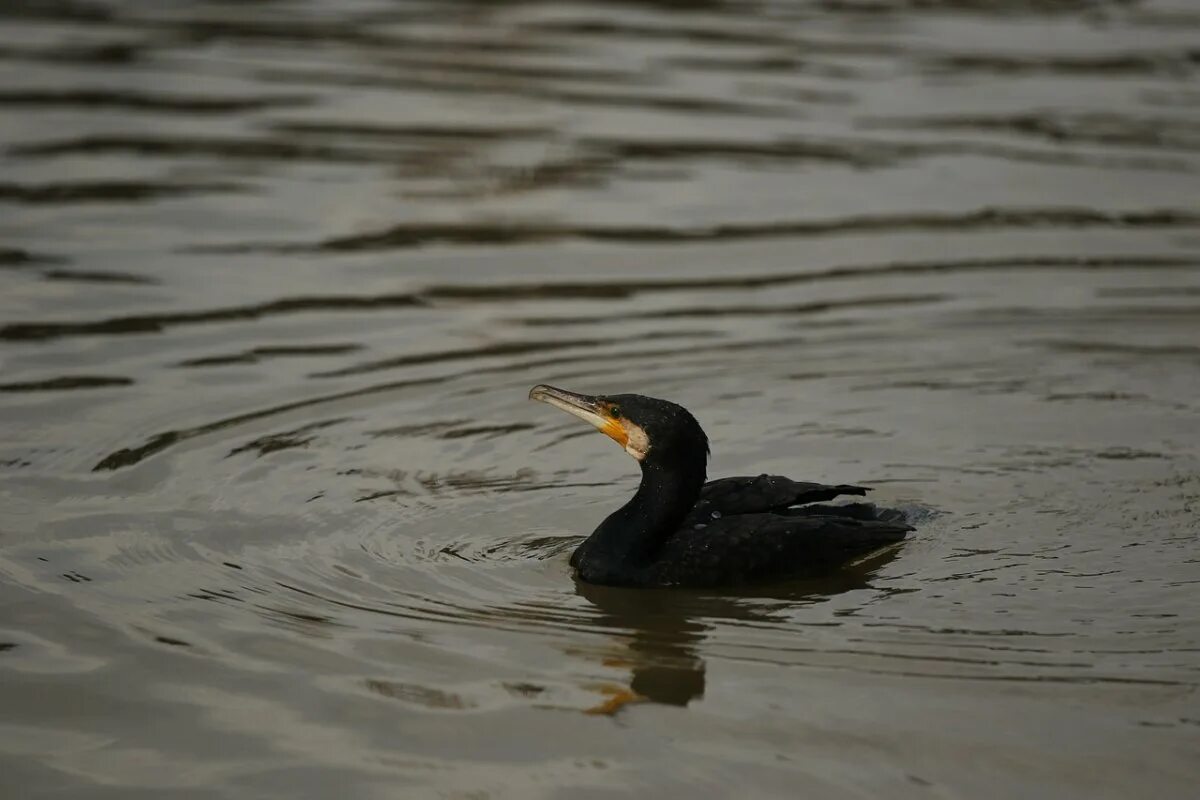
{"points": [[651, 430]]}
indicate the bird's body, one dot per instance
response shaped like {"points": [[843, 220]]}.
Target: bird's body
{"points": [[679, 530]]}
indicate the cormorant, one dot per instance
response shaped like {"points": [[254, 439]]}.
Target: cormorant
{"points": [[679, 530]]}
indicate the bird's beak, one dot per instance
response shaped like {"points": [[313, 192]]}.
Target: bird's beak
{"points": [[588, 408]]}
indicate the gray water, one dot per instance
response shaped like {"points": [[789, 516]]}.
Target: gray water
{"points": [[277, 520]]}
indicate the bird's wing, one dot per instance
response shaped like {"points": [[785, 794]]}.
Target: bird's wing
{"points": [[746, 495], [752, 547], [863, 511]]}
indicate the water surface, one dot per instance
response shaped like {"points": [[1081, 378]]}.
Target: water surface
{"points": [[276, 519]]}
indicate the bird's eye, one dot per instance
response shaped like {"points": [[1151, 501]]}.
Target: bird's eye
{"points": [[614, 412]]}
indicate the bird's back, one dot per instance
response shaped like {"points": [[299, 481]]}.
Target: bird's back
{"points": [[752, 529]]}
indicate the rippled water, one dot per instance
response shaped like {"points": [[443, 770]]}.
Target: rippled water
{"points": [[276, 518]]}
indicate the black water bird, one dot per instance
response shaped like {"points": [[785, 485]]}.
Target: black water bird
{"points": [[679, 530]]}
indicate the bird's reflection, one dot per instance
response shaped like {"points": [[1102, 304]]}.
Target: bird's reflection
{"points": [[662, 630]]}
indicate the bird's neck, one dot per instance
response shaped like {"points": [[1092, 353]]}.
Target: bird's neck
{"points": [[635, 532]]}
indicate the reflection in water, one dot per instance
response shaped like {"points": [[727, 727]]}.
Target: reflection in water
{"points": [[665, 629]]}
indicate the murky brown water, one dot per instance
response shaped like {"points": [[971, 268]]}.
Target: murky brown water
{"points": [[276, 519]]}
